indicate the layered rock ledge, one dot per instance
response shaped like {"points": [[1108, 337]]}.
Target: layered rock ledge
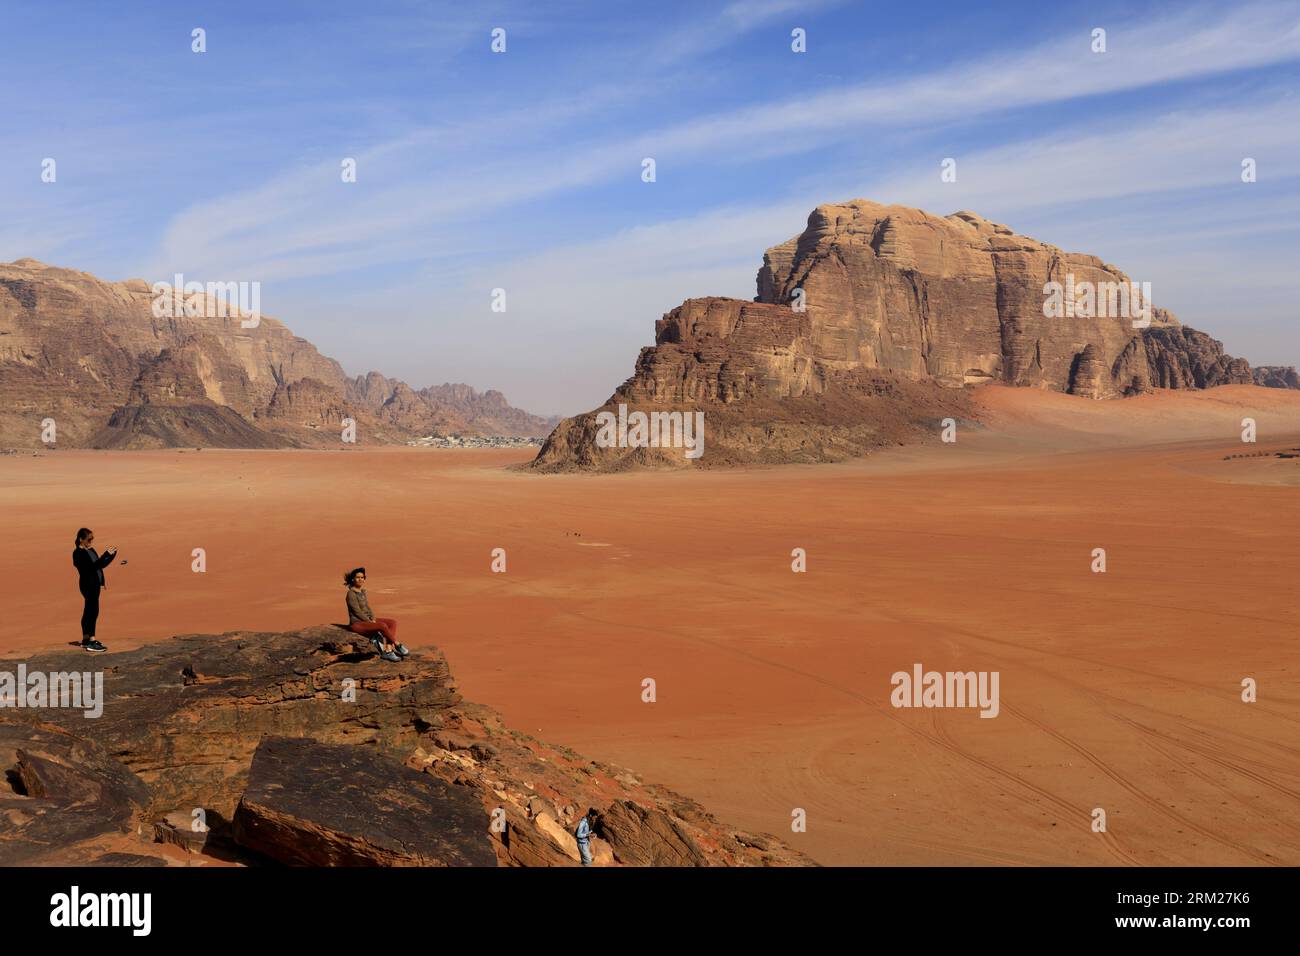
{"points": [[302, 748]]}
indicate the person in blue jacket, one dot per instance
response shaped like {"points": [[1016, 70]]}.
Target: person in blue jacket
{"points": [[584, 834]]}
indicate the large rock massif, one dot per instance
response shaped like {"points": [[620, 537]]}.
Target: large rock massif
{"points": [[93, 356], [304, 749], [864, 320]]}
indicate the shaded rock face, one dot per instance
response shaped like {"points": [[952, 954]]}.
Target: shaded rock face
{"points": [[60, 791], [725, 351], [1276, 376], [873, 302], [1185, 358], [78, 349], [642, 837], [306, 749], [1088, 374], [314, 804], [194, 425], [308, 402], [186, 373]]}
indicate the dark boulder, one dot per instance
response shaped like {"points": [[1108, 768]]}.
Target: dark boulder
{"points": [[314, 804]]}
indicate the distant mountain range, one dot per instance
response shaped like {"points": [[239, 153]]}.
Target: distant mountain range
{"points": [[868, 325], [96, 357]]}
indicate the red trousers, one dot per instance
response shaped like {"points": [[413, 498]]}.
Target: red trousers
{"points": [[383, 625]]}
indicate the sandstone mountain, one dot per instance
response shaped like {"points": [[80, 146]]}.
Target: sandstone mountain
{"points": [[304, 749], [869, 324], [93, 356]]}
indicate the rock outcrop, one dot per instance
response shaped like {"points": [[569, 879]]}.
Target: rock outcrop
{"points": [[314, 804], [95, 357], [304, 748], [859, 319], [199, 424], [61, 791], [1276, 376], [308, 402], [1179, 357], [956, 299], [643, 837]]}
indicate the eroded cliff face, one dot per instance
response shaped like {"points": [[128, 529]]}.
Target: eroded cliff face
{"points": [[864, 320], [94, 356], [960, 300]]}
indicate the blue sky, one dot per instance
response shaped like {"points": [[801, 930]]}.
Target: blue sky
{"points": [[522, 170]]}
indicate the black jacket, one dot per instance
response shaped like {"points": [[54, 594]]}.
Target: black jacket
{"points": [[90, 567]]}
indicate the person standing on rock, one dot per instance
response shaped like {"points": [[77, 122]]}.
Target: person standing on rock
{"points": [[361, 620], [90, 581], [584, 834]]}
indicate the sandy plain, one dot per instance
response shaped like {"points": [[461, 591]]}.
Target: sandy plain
{"points": [[1119, 691]]}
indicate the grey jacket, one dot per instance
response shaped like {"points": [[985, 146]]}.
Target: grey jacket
{"points": [[358, 607]]}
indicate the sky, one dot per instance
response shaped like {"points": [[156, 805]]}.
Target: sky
{"points": [[522, 170]]}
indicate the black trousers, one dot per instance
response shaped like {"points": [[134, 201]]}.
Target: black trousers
{"points": [[91, 612]]}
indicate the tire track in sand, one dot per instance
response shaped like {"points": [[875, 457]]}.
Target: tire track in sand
{"points": [[1108, 839], [939, 739], [1133, 788]]}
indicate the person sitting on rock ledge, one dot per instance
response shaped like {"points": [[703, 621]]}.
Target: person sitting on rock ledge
{"points": [[361, 620]]}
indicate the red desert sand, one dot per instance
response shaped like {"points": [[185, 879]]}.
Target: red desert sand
{"points": [[1120, 691]]}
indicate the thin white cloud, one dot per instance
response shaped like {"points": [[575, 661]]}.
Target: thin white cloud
{"points": [[287, 226], [1143, 155], [731, 22]]}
